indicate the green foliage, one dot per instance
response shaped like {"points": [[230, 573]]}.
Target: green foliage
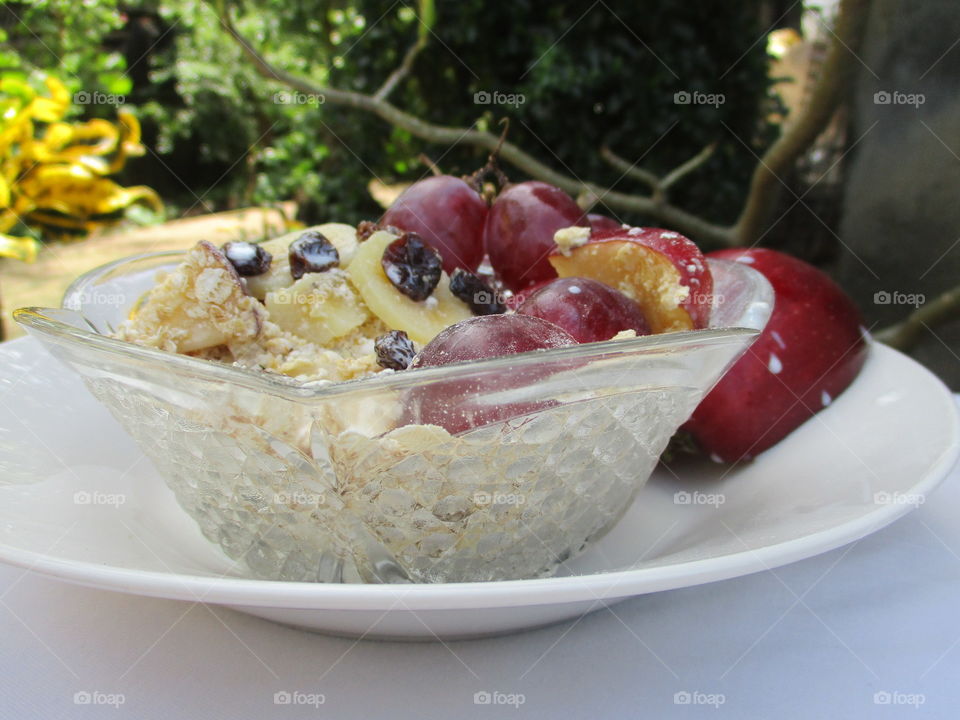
{"points": [[606, 75], [56, 35], [589, 75]]}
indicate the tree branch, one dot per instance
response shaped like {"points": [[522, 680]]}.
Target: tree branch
{"points": [[629, 169], [835, 78], [761, 201], [658, 185], [402, 71], [905, 334], [683, 221], [677, 174]]}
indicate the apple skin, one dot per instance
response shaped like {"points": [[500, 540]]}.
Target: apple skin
{"points": [[518, 234], [448, 214], [812, 348], [625, 258], [589, 310]]}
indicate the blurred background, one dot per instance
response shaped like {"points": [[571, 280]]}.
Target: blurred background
{"points": [[827, 129]]}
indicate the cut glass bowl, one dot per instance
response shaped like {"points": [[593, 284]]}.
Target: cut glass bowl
{"points": [[326, 482]]}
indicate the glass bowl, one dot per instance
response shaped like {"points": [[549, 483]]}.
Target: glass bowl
{"points": [[339, 482]]}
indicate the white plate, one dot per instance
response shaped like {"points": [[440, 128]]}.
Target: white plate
{"points": [[79, 502]]}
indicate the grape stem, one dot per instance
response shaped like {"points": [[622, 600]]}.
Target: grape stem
{"points": [[759, 205], [491, 171]]}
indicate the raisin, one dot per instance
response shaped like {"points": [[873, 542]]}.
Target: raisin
{"points": [[310, 253], [412, 266], [476, 292], [394, 350], [248, 259], [367, 228]]}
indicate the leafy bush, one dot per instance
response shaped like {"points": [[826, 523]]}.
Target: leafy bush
{"points": [[588, 77]]}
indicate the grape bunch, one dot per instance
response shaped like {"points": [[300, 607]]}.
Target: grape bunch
{"points": [[592, 290]]}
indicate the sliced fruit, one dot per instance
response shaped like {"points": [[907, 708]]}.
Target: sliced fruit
{"points": [[343, 237], [664, 272], [319, 307], [201, 304], [420, 319]]}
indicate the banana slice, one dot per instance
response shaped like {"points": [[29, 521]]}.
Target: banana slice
{"points": [[199, 305], [319, 307], [421, 320], [343, 237]]}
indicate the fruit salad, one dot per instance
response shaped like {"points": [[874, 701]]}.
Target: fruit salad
{"points": [[336, 302]]}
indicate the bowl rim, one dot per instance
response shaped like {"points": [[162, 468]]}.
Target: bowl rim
{"points": [[45, 321], [40, 320]]}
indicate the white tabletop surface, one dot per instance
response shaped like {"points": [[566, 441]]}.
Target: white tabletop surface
{"points": [[869, 630]]}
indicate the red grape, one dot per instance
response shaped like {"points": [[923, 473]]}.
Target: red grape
{"points": [[589, 310], [489, 336], [448, 214], [519, 231], [602, 222], [516, 299], [466, 401]]}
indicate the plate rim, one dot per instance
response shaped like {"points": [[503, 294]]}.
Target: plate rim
{"points": [[593, 587]]}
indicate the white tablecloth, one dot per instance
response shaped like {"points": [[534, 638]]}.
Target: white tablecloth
{"points": [[869, 630]]}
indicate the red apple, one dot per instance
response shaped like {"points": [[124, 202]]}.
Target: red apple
{"points": [[589, 310], [664, 272], [811, 349]]}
